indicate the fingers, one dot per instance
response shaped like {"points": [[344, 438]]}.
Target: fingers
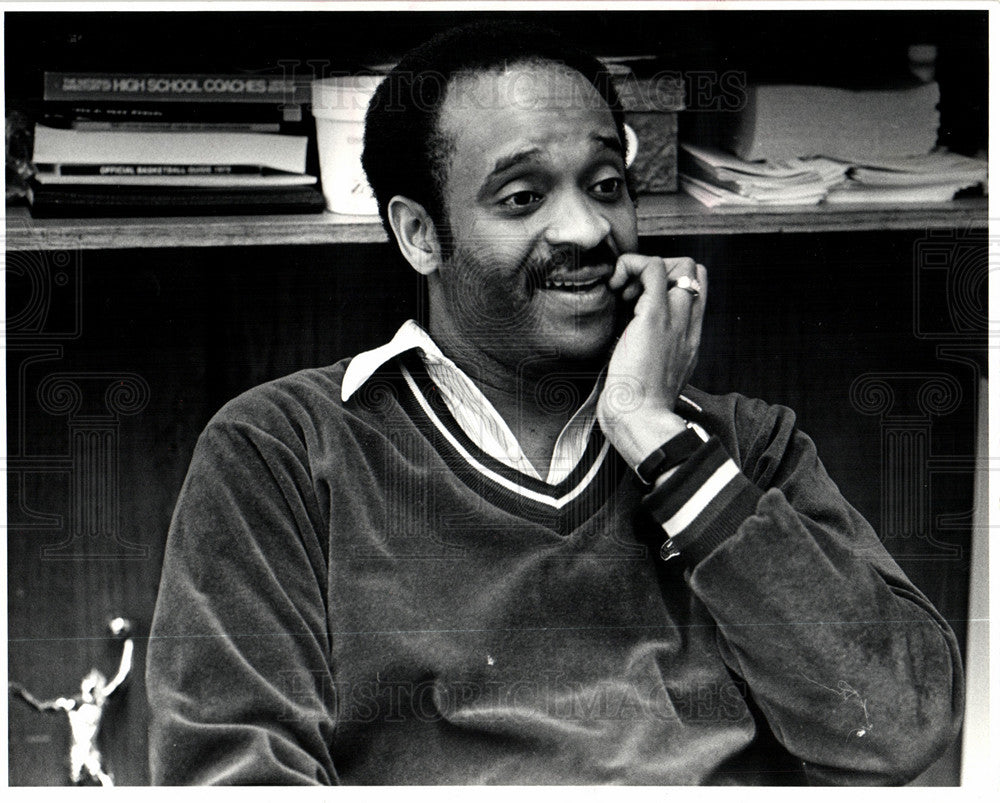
{"points": [[655, 279], [698, 308], [661, 341], [637, 273], [680, 302]]}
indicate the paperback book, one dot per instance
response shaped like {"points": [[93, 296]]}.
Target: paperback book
{"points": [[70, 146], [175, 88]]}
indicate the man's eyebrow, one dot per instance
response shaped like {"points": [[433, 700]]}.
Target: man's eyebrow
{"points": [[514, 159], [610, 142]]}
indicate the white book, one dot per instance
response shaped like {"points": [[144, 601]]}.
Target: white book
{"points": [[938, 161], [268, 180], [856, 193], [899, 178], [65, 146], [940, 167]]}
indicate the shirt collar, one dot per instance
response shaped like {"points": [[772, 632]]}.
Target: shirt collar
{"points": [[411, 335], [471, 409]]}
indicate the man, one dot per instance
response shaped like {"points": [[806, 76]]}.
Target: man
{"points": [[515, 547]]}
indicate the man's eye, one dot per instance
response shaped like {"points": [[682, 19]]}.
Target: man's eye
{"points": [[609, 188], [522, 200]]}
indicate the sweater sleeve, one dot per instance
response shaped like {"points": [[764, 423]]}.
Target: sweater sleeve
{"points": [[238, 670], [856, 673]]}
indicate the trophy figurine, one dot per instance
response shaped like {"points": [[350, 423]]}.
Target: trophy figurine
{"points": [[85, 710]]}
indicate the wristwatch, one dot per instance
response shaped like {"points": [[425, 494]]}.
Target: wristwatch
{"points": [[672, 453]]}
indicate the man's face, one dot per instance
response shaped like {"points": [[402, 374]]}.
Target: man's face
{"points": [[538, 212]]}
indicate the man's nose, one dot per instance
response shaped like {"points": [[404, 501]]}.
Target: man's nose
{"points": [[577, 221]]}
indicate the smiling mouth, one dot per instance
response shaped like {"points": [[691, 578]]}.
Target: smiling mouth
{"points": [[573, 286]]}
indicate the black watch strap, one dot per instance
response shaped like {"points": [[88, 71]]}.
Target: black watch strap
{"points": [[672, 453]]}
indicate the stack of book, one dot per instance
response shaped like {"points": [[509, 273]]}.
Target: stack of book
{"points": [[718, 178], [794, 145], [151, 144]]}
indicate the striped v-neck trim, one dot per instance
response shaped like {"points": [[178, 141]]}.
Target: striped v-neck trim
{"points": [[562, 506]]}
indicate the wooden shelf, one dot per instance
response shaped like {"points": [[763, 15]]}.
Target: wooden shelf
{"points": [[27, 233], [682, 214], [658, 215]]}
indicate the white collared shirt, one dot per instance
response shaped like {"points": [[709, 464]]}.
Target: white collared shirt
{"points": [[485, 427], [474, 413]]}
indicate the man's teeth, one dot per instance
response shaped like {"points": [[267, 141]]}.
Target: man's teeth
{"points": [[569, 285]]}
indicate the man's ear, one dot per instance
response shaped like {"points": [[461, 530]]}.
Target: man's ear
{"points": [[415, 233]]}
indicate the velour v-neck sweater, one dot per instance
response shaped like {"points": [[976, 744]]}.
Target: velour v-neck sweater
{"points": [[354, 593]]}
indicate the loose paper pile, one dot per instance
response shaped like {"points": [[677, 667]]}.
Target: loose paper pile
{"points": [[716, 178], [796, 145]]}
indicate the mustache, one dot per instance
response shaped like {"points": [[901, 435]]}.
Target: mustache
{"points": [[567, 259]]}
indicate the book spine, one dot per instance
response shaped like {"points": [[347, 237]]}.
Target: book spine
{"points": [[174, 88], [156, 170], [146, 112], [251, 128]]}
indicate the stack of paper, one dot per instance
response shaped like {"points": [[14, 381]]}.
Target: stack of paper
{"points": [[717, 178], [933, 177], [785, 121]]}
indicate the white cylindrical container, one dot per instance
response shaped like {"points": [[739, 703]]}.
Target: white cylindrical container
{"points": [[339, 106]]}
